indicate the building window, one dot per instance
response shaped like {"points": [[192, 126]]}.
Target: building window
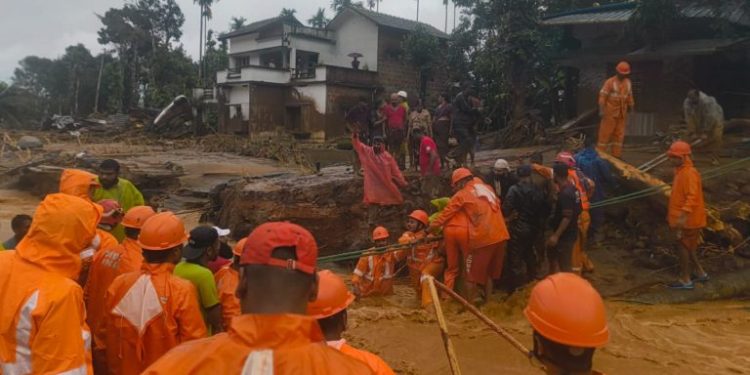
{"points": [[242, 61]]}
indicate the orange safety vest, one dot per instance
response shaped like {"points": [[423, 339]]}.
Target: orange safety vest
{"points": [[417, 256], [616, 96], [584, 189], [227, 280], [374, 274], [259, 345], [687, 197]]}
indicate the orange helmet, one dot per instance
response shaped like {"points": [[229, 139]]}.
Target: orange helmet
{"points": [[679, 149], [420, 216], [460, 174], [239, 247], [162, 231], [380, 233], [113, 210], [566, 158], [623, 67], [136, 216], [566, 309], [333, 296]]}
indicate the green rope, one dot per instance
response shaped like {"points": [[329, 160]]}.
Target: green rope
{"points": [[375, 251]]}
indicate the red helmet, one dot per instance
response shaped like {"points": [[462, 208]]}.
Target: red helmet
{"points": [[623, 68], [420, 216], [679, 149], [333, 296], [566, 309], [460, 174], [380, 233], [112, 212], [566, 158]]}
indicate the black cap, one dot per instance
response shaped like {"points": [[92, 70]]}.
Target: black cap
{"points": [[201, 238], [524, 171]]}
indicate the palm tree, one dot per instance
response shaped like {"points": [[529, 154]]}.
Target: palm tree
{"points": [[206, 15], [319, 20], [237, 23], [287, 13], [417, 10], [446, 15], [339, 5]]}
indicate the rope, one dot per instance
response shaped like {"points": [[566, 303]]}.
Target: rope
{"points": [[375, 251]]}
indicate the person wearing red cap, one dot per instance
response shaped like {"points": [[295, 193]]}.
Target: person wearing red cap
{"points": [[106, 266], [329, 308], [151, 311], [615, 103], [273, 335], [373, 275], [227, 279], [487, 233], [569, 322], [423, 259], [686, 214]]}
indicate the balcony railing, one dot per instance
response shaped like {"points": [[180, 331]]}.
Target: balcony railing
{"points": [[305, 73]]}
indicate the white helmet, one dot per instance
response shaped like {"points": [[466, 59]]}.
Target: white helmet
{"points": [[502, 164], [402, 94]]}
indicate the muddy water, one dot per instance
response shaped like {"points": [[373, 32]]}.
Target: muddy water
{"points": [[703, 338], [12, 203]]}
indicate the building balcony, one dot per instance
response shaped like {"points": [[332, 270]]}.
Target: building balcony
{"points": [[205, 95], [253, 73]]}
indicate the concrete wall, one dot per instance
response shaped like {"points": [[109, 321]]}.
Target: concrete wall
{"points": [[267, 103], [316, 92], [238, 95], [339, 99], [357, 34]]}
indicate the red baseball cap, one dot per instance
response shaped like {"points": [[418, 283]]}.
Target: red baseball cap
{"points": [[269, 236]]}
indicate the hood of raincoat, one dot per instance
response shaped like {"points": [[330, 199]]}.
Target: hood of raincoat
{"points": [[63, 226], [77, 183]]}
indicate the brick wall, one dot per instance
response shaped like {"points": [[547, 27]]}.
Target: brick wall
{"points": [[267, 108], [395, 75], [339, 99]]}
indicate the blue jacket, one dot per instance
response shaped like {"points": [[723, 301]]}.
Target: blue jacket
{"points": [[595, 168]]}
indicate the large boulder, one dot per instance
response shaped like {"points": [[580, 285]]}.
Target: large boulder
{"points": [[29, 142]]}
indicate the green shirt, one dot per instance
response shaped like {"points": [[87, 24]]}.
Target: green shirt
{"points": [[203, 279], [124, 192]]}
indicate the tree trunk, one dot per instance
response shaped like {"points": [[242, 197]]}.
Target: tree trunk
{"points": [[200, 49], [417, 10], [98, 85], [446, 16]]}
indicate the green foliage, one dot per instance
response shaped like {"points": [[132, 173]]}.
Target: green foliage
{"points": [[319, 20], [422, 51], [653, 20], [237, 23], [339, 5], [216, 58], [17, 106], [287, 13]]}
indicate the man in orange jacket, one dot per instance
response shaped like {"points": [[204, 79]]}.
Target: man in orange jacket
{"points": [[329, 308], [585, 187], [423, 258], [373, 275], [274, 335], [151, 311], [686, 214], [486, 227], [227, 279], [615, 103], [42, 319], [106, 266], [569, 322]]}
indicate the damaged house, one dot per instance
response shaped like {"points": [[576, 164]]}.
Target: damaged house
{"points": [[706, 47], [284, 76]]}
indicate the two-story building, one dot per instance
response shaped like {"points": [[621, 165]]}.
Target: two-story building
{"points": [[284, 76], [704, 49]]}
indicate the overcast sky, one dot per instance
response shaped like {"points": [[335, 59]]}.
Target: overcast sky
{"points": [[45, 27]]}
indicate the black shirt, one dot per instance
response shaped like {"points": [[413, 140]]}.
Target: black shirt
{"points": [[568, 205]]}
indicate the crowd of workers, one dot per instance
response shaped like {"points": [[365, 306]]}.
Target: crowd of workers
{"points": [[98, 282]]}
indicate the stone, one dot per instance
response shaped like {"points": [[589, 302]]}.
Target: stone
{"points": [[29, 142]]}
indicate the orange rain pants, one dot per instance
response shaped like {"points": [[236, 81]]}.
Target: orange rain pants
{"points": [[612, 134], [581, 261], [456, 247]]}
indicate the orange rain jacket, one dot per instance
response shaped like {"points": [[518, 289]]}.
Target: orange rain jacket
{"points": [[687, 197], [616, 96], [481, 206], [42, 319], [382, 176], [374, 274], [261, 344], [77, 182], [378, 366], [149, 312], [106, 266], [227, 280]]}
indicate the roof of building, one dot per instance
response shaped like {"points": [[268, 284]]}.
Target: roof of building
{"points": [[394, 22], [730, 10], [256, 26]]}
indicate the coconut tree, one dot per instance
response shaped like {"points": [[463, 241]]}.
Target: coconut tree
{"points": [[237, 23], [206, 15], [445, 2], [287, 13], [319, 20]]}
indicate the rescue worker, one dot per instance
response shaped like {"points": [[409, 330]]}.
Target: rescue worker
{"points": [[105, 267], [227, 280], [598, 170], [104, 240], [455, 234], [705, 119], [112, 186], [569, 322], [203, 246], [423, 259], [329, 308], [20, 225], [151, 311], [615, 103], [586, 188], [686, 214], [373, 275], [522, 208], [561, 242], [487, 234], [274, 335], [110, 222], [501, 178], [42, 320], [382, 177]]}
